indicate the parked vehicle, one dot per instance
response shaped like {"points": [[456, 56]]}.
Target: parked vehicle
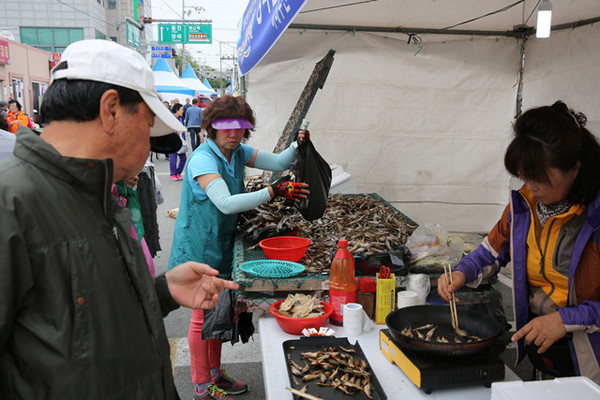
{"points": [[203, 101]]}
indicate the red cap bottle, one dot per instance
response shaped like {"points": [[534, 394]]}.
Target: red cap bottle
{"points": [[342, 283]]}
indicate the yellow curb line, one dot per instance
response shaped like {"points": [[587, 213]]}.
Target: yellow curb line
{"points": [[174, 345]]}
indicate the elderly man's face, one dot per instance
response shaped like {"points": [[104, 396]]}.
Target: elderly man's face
{"points": [[133, 142]]}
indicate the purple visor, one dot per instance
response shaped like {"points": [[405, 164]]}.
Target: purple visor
{"points": [[232, 123]]}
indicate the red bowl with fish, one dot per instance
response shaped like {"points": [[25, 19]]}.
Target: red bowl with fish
{"points": [[287, 248], [295, 326]]}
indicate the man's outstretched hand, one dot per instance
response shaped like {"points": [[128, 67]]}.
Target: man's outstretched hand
{"points": [[195, 285]]}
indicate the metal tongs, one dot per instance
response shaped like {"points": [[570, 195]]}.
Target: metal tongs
{"points": [[453, 313]]}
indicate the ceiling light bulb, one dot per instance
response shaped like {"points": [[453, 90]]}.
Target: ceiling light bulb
{"points": [[544, 19]]}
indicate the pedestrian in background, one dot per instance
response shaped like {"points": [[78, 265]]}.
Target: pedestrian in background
{"points": [[80, 316], [3, 108], [193, 121], [7, 139], [177, 159], [17, 117], [186, 106]]}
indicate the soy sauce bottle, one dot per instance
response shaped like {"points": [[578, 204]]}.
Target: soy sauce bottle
{"points": [[342, 283]]}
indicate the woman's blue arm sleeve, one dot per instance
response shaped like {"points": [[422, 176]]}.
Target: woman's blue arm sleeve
{"points": [[275, 162], [218, 192]]}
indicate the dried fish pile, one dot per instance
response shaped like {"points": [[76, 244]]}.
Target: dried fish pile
{"points": [[301, 306], [427, 332], [369, 225], [336, 367]]}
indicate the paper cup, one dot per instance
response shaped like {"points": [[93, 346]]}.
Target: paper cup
{"points": [[353, 318], [407, 298]]}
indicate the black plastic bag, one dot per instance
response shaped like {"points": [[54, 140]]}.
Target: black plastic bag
{"points": [[221, 322], [218, 322], [311, 168]]}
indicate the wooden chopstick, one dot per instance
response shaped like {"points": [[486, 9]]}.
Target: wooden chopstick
{"points": [[303, 394], [448, 276], [453, 300]]}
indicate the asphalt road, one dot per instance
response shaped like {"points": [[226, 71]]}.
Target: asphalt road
{"points": [[243, 361]]}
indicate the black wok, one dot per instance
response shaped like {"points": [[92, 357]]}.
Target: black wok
{"points": [[474, 322]]}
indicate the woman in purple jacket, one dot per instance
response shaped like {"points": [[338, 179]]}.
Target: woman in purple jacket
{"points": [[550, 232]]}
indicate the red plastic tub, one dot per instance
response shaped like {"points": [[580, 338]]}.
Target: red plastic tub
{"points": [[296, 325], [287, 248]]}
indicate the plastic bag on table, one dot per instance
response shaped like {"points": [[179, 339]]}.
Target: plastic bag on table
{"points": [[431, 247], [420, 284], [312, 169]]}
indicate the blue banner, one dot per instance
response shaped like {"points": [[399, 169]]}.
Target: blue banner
{"points": [[262, 24]]}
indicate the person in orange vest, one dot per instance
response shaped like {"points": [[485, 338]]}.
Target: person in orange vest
{"points": [[16, 117]]}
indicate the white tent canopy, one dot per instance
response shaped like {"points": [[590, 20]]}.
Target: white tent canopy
{"points": [[190, 79], [422, 118], [167, 84]]}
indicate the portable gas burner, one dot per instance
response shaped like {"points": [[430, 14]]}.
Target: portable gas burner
{"points": [[430, 372]]}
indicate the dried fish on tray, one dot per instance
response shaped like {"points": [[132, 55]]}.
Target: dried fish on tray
{"points": [[330, 368], [366, 221]]}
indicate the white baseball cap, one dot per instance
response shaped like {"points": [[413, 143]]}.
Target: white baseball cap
{"points": [[109, 62]]}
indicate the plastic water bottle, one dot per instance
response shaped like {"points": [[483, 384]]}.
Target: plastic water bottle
{"points": [[304, 125], [342, 283]]}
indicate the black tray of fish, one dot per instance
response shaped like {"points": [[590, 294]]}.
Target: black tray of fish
{"points": [[319, 358]]}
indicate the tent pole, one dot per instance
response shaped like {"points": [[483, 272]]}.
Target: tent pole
{"points": [[519, 104], [516, 33]]}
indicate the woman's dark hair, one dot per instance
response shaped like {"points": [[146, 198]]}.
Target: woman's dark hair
{"points": [[79, 100], [555, 137], [226, 107], [14, 102], [176, 107]]}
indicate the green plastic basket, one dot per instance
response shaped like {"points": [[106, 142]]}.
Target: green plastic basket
{"points": [[272, 268]]}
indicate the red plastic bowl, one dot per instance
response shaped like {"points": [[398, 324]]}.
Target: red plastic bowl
{"points": [[296, 325], [287, 248]]}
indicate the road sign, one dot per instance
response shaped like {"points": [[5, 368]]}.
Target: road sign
{"points": [[133, 36], [185, 33], [161, 55], [161, 48]]}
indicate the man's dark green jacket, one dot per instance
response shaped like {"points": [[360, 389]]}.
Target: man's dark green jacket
{"points": [[80, 317]]}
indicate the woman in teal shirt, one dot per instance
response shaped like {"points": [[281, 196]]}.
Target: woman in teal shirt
{"points": [[211, 199]]}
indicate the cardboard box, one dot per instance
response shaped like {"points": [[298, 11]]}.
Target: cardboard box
{"points": [[385, 298]]}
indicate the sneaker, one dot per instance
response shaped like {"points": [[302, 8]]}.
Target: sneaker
{"points": [[173, 177], [179, 177], [212, 393], [227, 383]]}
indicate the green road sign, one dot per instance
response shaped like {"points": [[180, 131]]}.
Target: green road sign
{"points": [[133, 36], [185, 33]]}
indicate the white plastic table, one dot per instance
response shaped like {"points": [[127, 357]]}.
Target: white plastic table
{"points": [[394, 382]]}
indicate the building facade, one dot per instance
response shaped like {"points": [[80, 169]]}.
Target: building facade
{"points": [[50, 26]]}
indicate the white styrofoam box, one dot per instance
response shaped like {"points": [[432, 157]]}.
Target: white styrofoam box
{"points": [[571, 388], [341, 181]]}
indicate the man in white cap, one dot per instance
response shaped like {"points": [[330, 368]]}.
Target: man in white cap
{"points": [[80, 316]]}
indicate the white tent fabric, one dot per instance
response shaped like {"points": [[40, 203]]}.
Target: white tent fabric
{"points": [[190, 79], [167, 84], [424, 125]]}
